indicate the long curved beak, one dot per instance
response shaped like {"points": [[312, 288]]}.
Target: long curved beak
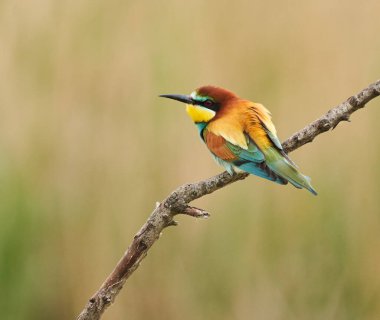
{"points": [[178, 97]]}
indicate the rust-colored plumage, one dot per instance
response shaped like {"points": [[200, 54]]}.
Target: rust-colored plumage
{"points": [[217, 145]]}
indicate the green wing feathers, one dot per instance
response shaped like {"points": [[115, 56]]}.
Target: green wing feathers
{"points": [[285, 168], [279, 162]]}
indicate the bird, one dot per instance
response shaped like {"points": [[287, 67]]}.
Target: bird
{"points": [[240, 135]]}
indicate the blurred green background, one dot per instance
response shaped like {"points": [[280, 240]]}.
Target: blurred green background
{"points": [[87, 148]]}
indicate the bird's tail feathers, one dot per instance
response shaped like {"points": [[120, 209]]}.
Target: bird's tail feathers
{"points": [[285, 168]]}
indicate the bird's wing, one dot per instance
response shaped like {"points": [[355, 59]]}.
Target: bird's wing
{"points": [[228, 151], [272, 136], [218, 146], [260, 127], [247, 157], [263, 123], [262, 131]]}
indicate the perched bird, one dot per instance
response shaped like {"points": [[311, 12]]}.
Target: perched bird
{"points": [[240, 134]]}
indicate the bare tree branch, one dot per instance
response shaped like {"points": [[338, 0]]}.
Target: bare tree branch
{"points": [[177, 203]]}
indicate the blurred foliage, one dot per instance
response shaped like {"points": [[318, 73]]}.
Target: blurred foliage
{"points": [[87, 148]]}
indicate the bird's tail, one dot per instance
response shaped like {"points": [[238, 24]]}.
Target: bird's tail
{"points": [[285, 168]]}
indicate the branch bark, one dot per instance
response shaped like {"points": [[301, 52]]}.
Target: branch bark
{"points": [[178, 203]]}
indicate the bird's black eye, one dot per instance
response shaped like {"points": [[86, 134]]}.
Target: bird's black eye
{"points": [[208, 103]]}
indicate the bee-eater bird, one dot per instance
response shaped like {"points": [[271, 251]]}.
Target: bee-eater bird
{"points": [[240, 134]]}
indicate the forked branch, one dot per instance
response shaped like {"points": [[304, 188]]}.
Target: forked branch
{"points": [[178, 203]]}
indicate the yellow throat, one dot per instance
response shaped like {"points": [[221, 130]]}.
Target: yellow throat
{"points": [[199, 114]]}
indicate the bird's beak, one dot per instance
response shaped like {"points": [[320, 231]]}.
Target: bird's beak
{"points": [[178, 97]]}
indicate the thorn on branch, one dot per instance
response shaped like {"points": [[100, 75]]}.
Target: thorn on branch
{"points": [[346, 117], [172, 223], [195, 212]]}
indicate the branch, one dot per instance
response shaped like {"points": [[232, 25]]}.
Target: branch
{"points": [[177, 203]]}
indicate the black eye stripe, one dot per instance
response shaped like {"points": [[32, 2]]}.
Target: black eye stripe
{"points": [[209, 104]]}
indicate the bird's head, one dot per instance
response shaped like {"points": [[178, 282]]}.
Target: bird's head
{"points": [[203, 104]]}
